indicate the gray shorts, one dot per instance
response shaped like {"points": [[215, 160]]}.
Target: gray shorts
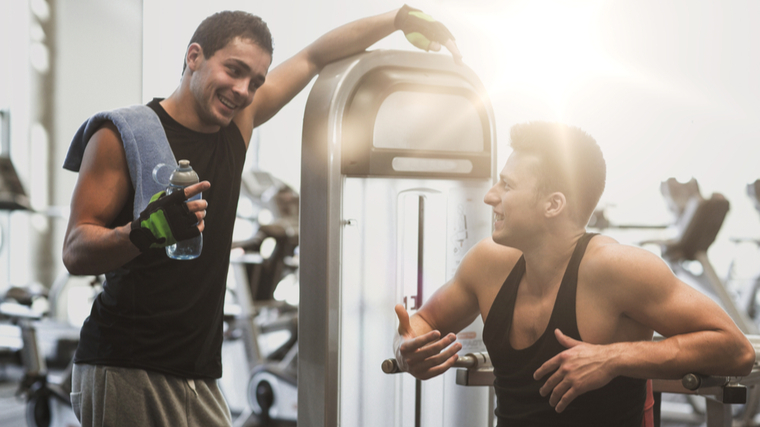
{"points": [[112, 396]]}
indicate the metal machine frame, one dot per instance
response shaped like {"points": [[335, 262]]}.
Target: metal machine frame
{"points": [[324, 169]]}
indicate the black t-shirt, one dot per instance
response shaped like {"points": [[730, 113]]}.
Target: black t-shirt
{"points": [[165, 315]]}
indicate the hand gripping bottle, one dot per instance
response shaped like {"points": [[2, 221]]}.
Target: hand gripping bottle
{"points": [[180, 178]]}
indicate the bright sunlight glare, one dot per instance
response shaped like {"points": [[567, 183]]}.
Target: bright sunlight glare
{"points": [[551, 48]]}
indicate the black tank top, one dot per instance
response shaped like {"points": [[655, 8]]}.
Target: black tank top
{"points": [[618, 404], [165, 315]]}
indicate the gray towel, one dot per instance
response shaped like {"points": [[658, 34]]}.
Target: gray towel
{"points": [[145, 145]]}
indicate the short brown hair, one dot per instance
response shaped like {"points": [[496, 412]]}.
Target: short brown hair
{"points": [[220, 28], [571, 162]]}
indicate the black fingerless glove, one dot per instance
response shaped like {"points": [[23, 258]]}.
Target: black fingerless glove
{"points": [[164, 222], [421, 29]]}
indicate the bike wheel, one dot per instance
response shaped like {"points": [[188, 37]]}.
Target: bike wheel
{"points": [[38, 411]]}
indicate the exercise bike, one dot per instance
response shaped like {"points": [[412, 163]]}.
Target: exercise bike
{"points": [[746, 284], [264, 261]]}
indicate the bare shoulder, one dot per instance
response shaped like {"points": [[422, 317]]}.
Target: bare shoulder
{"points": [[487, 262], [103, 184], [105, 145], [608, 262]]}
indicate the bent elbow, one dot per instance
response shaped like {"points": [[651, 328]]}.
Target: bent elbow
{"points": [[71, 264], [747, 359], [74, 264]]}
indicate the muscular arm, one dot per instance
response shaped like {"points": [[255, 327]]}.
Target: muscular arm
{"points": [[285, 81], [101, 192], [288, 79], [700, 337], [428, 345]]}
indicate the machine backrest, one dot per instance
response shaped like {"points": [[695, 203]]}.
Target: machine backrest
{"points": [[699, 225]]}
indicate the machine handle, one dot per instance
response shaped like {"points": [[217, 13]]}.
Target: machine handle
{"points": [[696, 381], [469, 361]]}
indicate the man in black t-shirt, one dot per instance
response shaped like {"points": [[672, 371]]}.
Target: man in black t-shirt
{"points": [[150, 351]]}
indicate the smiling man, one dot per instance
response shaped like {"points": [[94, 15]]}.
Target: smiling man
{"points": [[150, 352], [568, 315]]}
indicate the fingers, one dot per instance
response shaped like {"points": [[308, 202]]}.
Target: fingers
{"points": [[452, 47], [561, 389], [197, 206], [404, 325], [415, 344], [564, 395], [435, 353], [567, 397], [439, 369], [565, 340], [428, 345], [550, 384], [433, 359], [195, 189], [548, 366]]}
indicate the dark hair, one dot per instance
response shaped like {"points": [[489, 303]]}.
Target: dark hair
{"points": [[570, 161], [220, 28]]}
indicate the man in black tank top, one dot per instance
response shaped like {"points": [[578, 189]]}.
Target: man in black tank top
{"points": [[150, 352], [569, 316]]}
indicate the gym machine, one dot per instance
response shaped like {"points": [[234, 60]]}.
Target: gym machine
{"points": [[397, 155], [264, 251], [698, 221], [475, 369], [748, 295]]}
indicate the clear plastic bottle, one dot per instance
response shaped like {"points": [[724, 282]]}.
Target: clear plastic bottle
{"points": [[180, 178]]}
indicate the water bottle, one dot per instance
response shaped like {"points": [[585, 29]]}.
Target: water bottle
{"points": [[180, 178]]}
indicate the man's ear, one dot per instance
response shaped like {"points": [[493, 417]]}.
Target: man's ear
{"points": [[194, 56], [554, 204]]}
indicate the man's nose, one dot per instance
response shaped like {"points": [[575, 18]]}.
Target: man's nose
{"points": [[491, 198], [241, 88]]}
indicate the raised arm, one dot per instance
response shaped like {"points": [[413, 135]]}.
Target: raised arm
{"points": [[92, 244], [700, 336], [286, 80]]}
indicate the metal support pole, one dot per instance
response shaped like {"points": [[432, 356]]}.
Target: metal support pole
{"points": [[718, 414], [742, 320]]}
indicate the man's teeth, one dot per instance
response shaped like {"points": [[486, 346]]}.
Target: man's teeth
{"points": [[498, 217], [226, 103]]}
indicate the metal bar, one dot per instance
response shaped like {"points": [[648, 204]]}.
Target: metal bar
{"points": [[420, 250], [469, 360], [718, 414], [417, 403], [742, 320]]}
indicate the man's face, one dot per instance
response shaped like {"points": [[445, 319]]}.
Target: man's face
{"points": [[516, 207], [224, 84]]}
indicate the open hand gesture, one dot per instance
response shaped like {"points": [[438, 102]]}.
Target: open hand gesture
{"points": [[424, 356]]}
